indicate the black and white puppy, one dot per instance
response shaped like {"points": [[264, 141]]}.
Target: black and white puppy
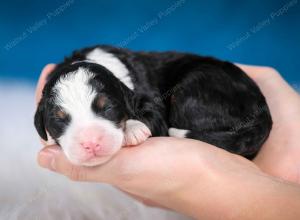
{"points": [[103, 98]]}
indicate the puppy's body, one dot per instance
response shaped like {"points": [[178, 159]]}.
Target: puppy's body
{"points": [[168, 93]]}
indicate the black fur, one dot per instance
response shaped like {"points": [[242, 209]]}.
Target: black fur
{"points": [[213, 99]]}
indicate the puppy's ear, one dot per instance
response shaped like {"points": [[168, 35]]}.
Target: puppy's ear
{"points": [[39, 121]]}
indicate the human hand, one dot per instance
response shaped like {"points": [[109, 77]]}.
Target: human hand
{"points": [[147, 171]]}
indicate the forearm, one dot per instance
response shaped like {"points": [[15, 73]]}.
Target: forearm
{"points": [[240, 196]]}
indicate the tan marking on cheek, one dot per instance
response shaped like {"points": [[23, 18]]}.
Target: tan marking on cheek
{"points": [[61, 114], [101, 101]]}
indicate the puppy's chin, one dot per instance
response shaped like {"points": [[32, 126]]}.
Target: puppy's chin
{"points": [[95, 161], [80, 156]]}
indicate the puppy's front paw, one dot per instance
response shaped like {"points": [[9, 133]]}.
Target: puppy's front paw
{"points": [[136, 132]]}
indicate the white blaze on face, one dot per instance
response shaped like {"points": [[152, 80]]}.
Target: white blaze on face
{"points": [[113, 64], [88, 139]]}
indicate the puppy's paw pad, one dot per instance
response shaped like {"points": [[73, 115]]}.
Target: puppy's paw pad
{"points": [[136, 132]]}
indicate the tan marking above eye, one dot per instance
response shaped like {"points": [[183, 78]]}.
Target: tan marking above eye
{"points": [[61, 114], [173, 99], [101, 101]]}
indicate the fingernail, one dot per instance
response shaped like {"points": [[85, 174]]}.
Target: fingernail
{"points": [[47, 158]]}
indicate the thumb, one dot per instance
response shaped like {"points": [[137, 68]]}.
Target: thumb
{"points": [[42, 81], [53, 158]]}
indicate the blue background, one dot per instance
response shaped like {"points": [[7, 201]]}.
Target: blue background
{"points": [[204, 27]]}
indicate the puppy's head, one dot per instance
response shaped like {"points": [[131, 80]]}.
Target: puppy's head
{"points": [[83, 110]]}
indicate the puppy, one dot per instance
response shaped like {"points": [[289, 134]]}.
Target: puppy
{"points": [[102, 98]]}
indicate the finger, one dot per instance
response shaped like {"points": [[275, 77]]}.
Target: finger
{"points": [[270, 82], [251, 70], [45, 156], [42, 81], [265, 76], [54, 159]]}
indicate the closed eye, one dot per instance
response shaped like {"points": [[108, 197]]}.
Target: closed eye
{"points": [[108, 107]]}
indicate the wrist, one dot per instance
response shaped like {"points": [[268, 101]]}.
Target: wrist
{"points": [[209, 195], [240, 195]]}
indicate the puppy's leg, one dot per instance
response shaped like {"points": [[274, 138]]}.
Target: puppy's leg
{"points": [[136, 132], [146, 118], [180, 133]]}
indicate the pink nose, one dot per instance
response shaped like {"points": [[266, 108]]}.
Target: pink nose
{"points": [[91, 147], [90, 139]]}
